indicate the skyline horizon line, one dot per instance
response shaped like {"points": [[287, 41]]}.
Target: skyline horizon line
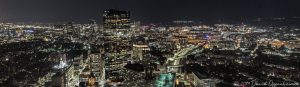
{"points": [[203, 20]]}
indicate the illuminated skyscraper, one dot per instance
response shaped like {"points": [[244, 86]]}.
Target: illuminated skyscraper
{"points": [[115, 20]]}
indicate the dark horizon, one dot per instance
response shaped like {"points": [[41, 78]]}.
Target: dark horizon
{"points": [[150, 11]]}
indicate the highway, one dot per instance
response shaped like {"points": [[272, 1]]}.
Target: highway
{"points": [[175, 60]]}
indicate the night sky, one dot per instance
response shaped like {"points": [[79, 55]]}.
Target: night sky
{"points": [[145, 10]]}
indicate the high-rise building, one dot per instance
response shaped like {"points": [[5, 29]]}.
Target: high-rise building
{"points": [[139, 51], [93, 26], [116, 20], [117, 43], [70, 28]]}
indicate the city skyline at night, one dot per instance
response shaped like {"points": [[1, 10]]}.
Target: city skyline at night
{"points": [[149, 43]]}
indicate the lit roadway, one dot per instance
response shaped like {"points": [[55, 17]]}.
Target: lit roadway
{"points": [[175, 60]]}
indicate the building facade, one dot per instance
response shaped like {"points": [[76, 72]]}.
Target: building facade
{"points": [[115, 20]]}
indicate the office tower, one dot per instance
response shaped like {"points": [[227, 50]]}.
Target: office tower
{"points": [[70, 28], [93, 25], [116, 20]]}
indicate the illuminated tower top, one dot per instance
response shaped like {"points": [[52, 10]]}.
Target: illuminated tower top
{"points": [[116, 19]]}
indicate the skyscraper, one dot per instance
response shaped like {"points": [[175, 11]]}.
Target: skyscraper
{"points": [[116, 20]]}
